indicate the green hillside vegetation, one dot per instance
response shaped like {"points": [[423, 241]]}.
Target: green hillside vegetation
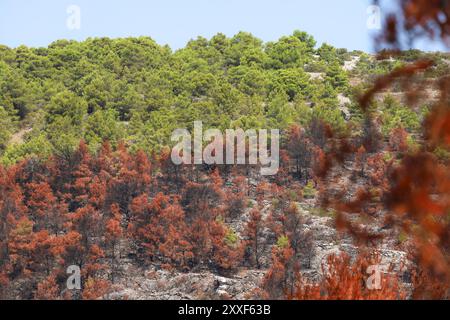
{"points": [[137, 91]]}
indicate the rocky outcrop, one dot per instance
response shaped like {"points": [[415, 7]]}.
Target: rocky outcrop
{"points": [[173, 285]]}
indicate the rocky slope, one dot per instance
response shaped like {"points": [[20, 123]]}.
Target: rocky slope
{"points": [[155, 283]]}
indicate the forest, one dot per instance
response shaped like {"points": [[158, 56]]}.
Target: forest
{"points": [[86, 177]]}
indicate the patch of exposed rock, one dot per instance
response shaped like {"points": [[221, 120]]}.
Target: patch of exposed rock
{"points": [[173, 285]]}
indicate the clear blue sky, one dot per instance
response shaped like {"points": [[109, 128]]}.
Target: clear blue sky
{"points": [[341, 23]]}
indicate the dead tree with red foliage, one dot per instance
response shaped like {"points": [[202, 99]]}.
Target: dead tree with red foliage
{"points": [[398, 140], [254, 238], [280, 280]]}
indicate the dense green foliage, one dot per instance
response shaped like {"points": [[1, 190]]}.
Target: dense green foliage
{"points": [[137, 91]]}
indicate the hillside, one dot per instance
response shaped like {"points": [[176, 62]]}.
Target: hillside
{"points": [[137, 91], [87, 180]]}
